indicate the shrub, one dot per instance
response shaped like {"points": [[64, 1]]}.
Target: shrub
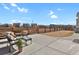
{"points": [[19, 43]]}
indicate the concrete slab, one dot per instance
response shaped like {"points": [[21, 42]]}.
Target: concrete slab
{"points": [[77, 53], [30, 49], [42, 39], [74, 50], [74, 36], [65, 46], [47, 51]]}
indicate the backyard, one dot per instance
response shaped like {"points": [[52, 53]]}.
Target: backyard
{"points": [[60, 33]]}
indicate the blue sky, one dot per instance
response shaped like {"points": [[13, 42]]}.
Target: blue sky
{"points": [[40, 13]]}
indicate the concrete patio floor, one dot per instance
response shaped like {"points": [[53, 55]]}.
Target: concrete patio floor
{"points": [[47, 45]]}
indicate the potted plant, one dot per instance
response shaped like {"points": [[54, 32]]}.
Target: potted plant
{"points": [[19, 43]]}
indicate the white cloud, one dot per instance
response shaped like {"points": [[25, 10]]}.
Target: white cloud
{"points": [[22, 10], [51, 12], [59, 9], [6, 7], [54, 16], [15, 21], [13, 4], [19, 9]]}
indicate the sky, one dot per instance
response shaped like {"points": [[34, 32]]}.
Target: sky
{"points": [[40, 13]]}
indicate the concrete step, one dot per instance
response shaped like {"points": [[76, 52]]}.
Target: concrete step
{"points": [[2, 40], [3, 43]]}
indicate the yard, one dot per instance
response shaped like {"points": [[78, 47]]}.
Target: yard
{"points": [[60, 33]]}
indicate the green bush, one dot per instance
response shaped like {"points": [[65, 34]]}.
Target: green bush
{"points": [[19, 43]]}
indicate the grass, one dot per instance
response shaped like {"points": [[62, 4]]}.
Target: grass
{"points": [[60, 33]]}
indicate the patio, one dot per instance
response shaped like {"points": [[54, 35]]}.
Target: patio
{"points": [[47, 45]]}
